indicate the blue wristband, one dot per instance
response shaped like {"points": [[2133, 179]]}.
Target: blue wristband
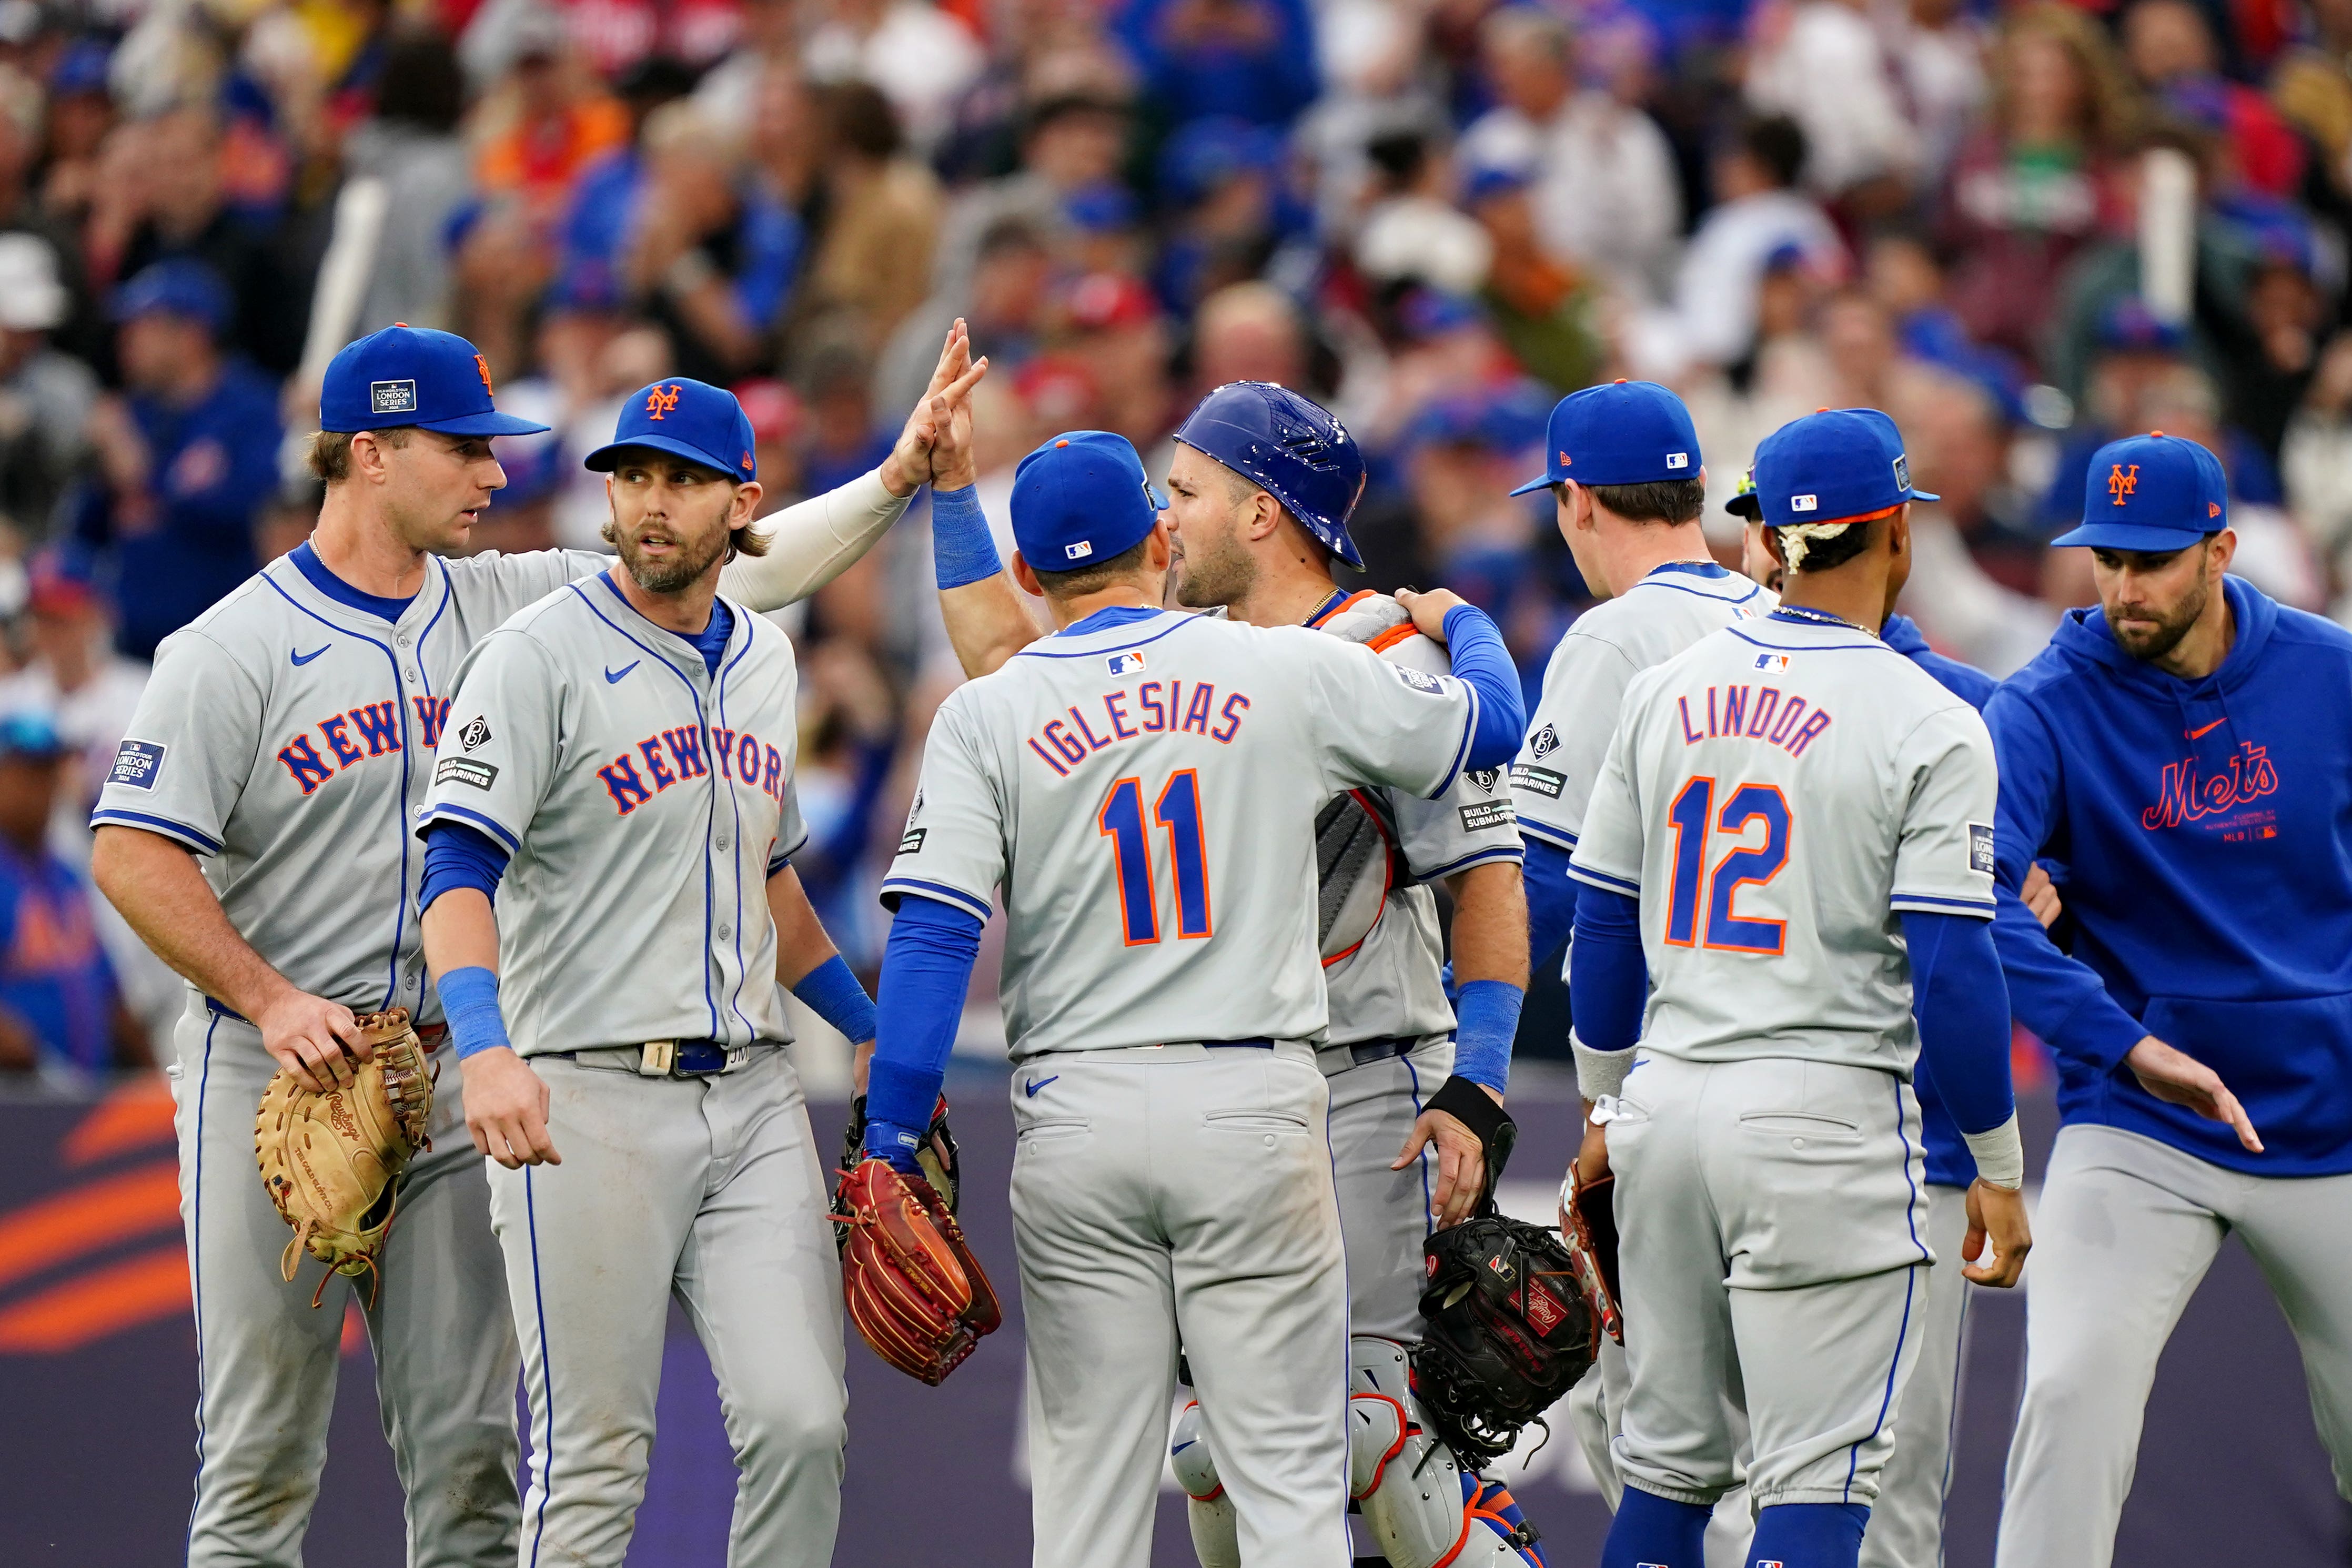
{"points": [[833, 993], [889, 1141], [470, 999], [1487, 1019], [962, 549]]}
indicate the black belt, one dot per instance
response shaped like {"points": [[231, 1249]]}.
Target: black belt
{"points": [[1363, 1053]]}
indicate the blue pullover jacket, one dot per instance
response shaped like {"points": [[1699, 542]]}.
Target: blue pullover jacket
{"points": [[2206, 827]]}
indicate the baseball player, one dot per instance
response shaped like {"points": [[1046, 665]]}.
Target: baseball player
{"points": [[1792, 837], [1906, 1523], [2185, 744], [1623, 467], [621, 755], [1142, 787], [255, 831], [1261, 487]]}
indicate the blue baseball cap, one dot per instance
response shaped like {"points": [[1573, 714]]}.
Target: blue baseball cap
{"points": [[1631, 432], [688, 419], [31, 732], [408, 375], [2153, 492], [1839, 466], [182, 287], [1081, 499]]}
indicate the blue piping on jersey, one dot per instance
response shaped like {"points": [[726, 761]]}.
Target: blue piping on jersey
{"points": [[1462, 752], [400, 910], [1983, 906], [1713, 569], [1873, 645], [546, 1454], [1412, 1082], [196, 1269], [1497, 853], [1652, 581], [956, 897], [1034, 650], [448, 592], [702, 723], [1603, 880], [1910, 1289], [719, 696], [435, 813], [160, 824], [1552, 835]]}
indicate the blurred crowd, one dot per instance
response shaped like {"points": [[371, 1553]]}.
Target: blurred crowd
{"points": [[1434, 215]]}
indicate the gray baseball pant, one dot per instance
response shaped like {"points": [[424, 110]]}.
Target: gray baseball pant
{"points": [[1384, 1213], [1906, 1523], [1181, 1194], [267, 1363], [708, 1189], [2126, 1229]]}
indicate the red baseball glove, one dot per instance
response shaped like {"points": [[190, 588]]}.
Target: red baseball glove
{"points": [[913, 1288]]}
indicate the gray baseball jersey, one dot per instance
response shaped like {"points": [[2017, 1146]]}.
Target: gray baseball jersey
{"points": [[1146, 782], [1376, 852], [1774, 796], [1584, 683], [605, 755]]}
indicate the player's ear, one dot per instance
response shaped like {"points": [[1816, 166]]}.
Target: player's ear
{"points": [[1772, 548], [746, 505], [1161, 554], [1028, 578], [2225, 549]]}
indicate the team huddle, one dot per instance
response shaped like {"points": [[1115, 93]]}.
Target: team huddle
{"points": [[479, 867]]}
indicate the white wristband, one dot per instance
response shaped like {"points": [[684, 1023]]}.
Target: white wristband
{"points": [[1999, 1153], [1598, 1072]]}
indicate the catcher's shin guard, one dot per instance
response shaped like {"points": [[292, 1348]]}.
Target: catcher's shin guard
{"points": [[1424, 1508], [1216, 1529]]}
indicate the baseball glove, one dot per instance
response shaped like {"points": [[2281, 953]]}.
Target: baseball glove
{"points": [[913, 1288], [942, 1165], [333, 1162], [1588, 1224], [1504, 1331]]}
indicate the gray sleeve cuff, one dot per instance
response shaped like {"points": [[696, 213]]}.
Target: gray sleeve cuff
{"points": [[1999, 1153], [1598, 1072]]}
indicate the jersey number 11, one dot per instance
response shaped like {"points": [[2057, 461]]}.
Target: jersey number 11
{"points": [[1177, 810], [1742, 804]]}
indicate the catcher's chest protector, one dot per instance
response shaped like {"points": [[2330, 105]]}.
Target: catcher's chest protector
{"points": [[1357, 860]]}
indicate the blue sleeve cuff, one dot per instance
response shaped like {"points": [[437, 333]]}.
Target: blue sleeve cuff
{"points": [[1962, 1006], [1487, 1019], [456, 856], [1484, 663], [470, 999], [962, 549], [833, 993]]}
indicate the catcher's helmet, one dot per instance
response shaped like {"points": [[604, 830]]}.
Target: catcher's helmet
{"points": [[1291, 447]]}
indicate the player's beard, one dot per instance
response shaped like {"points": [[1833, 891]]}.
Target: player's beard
{"points": [[2152, 635], [1212, 571], [682, 569]]}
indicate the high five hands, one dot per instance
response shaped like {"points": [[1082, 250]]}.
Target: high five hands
{"points": [[935, 446]]}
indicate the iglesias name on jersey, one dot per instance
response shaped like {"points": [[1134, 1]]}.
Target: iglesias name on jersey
{"points": [[1584, 685], [645, 801], [1141, 791], [1775, 795], [286, 739]]}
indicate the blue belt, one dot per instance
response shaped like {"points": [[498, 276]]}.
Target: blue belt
{"points": [[697, 1056]]}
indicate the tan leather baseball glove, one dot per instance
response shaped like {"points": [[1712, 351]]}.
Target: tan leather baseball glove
{"points": [[333, 1162]]}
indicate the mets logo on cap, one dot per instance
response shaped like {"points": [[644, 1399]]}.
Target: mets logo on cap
{"points": [[704, 424]]}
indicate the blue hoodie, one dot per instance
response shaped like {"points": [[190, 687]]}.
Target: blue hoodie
{"points": [[1949, 1163], [2207, 827]]}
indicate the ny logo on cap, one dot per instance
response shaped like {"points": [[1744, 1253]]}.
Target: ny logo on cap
{"points": [[392, 397], [660, 401], [1080, 550], [2122, 482]]}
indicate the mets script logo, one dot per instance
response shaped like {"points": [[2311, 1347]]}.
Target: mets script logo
{"points": [[2122, 481], [660, 401], [2190, 797]]}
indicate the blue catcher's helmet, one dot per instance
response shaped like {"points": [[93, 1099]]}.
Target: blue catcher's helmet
{"points": [[1289, 447]]}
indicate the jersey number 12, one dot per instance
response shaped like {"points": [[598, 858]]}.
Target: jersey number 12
{"points": [[1693, 814], [1177, 810]]}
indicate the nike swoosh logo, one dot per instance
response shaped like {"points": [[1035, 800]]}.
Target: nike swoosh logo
{"points": [[613, 677], [302, 659], [1034, 1084], [2201, 732], [1184, 1444]]}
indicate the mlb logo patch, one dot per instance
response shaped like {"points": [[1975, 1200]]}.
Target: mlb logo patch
{"points": [[392, 397], [1980, 847], [1804, 503], [136, 763], [1776, 663], [1677, 459], [1124, 663], [1080, 550]]}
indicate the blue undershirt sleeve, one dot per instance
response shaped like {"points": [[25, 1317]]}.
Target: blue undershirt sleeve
{"points": [[1551, 898], [926, 968], [458, 856], [1609, 982], [1962, 1006], [1484, 663]]}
